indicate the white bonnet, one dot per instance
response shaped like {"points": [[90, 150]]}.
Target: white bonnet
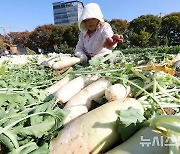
{"points": [[91, 10]]}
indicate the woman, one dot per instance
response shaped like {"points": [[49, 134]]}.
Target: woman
{"points": [[96, 37]]}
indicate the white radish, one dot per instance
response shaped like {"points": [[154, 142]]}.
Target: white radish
{"points": [[49, 61], [40, 59], [54, 60], [65, 62], [116, 92], [145, 141], [64, 93], [75, 112], [52, 89], [84, 98], [94, 132], [177, 58], [16, 60]]}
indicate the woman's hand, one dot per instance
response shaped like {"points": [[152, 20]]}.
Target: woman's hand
{"points": [[110, 41], [118, 38], [83, 59]]}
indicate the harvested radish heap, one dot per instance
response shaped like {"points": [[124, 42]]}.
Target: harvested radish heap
{"points": [[80, 103], [93, 132], [65, 92], [103, 133]]}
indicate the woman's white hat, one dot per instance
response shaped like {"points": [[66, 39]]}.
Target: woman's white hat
{"points": [[91, 10]]}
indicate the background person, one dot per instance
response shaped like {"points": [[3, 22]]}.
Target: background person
{"points": [[96, 37]]}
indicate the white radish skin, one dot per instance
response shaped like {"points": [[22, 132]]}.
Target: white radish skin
{"points": [[93, 91], [51, 61], [134, 145], [66, 62], [19, 61], [177, 58], [64, 93], [116, 92], [14, 60], [93, 132], [75, 112], [52, 89], [83, 99], [41, 59]]}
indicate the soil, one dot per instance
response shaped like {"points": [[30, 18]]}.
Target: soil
{"points": [[169, 111]]}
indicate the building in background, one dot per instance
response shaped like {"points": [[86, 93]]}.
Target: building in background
{"points": [[66, 13]]}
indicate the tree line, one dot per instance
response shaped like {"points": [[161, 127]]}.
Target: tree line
{"points": [[144, 31]]}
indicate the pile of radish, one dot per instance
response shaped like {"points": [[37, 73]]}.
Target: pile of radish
{"points": [[94, 131], [82, 132], [96, 97], [78, 93]]}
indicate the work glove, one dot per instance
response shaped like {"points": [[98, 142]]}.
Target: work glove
{"points": [[83, 59], [111, 41]]}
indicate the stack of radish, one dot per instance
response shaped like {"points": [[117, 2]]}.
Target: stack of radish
{"points": [[58, 61], [89, 131]]}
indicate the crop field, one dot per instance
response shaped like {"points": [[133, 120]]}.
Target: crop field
{"points": [[48, 100]]}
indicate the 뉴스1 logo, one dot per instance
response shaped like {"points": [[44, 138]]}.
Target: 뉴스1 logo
{"points": [[159, 141]]}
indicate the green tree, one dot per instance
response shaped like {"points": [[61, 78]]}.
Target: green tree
{"points": [[139, 40], [71, 35], [40, 38], [119, 26], [154, 41], [19, 37], [164, 41], [170, 29], [57, 37], [147, 26], [2, 47], [65, 37]]}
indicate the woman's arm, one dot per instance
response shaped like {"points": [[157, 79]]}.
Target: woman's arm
{"points": [[110, 39], [80, 46], [79, 51]]}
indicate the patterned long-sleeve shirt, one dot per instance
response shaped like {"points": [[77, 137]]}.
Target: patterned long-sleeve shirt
{"points": [[92, 44]]}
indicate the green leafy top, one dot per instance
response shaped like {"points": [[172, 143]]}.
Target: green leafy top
{"points": [[129, 122]]}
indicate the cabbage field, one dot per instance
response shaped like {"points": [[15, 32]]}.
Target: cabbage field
{"points": [[53, 104]]}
